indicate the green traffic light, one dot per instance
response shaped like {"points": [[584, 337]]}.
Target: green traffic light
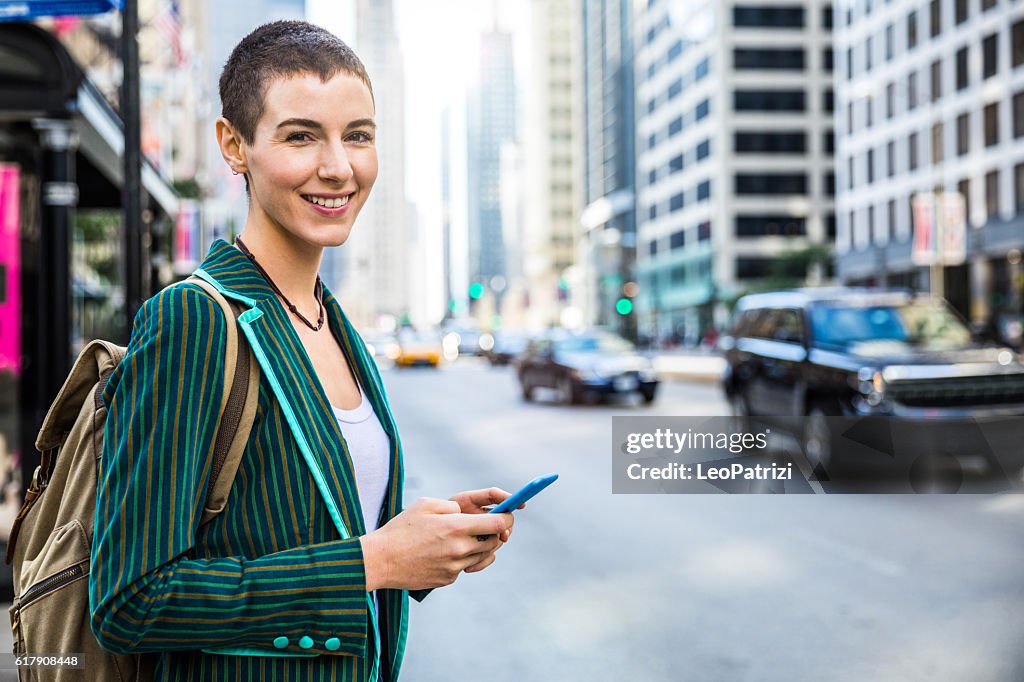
{"points": [[476, 290], [624, 306]]}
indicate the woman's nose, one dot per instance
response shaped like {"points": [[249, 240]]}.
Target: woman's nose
{"points": [[334, 164]]}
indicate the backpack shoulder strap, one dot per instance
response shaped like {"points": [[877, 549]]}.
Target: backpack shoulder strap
{"points": [[238, 405]]}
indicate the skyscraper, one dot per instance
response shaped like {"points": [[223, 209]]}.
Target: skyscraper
{"points": [[607, 243], [734, 154], [491, 117]]}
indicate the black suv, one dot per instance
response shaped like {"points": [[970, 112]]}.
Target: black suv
{"points": [[804, 356]]}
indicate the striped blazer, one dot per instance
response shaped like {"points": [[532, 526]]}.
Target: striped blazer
{"points": [[271, 576]]}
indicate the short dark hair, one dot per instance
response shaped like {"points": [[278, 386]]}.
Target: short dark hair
{"points": [[275, 50]]}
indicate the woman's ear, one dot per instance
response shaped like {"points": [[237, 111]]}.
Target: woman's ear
{"points": [[232, 146]]}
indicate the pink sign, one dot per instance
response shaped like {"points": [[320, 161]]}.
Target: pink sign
{"points": [[10, 269]]}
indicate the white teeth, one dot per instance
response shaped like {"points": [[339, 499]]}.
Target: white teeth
{"points": [[327, 203]]}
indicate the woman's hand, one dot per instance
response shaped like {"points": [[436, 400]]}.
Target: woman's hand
{"points": [[475, 501], [429, 544]]}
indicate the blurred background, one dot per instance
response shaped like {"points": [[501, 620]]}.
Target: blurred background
{"points": [[574, 196]]}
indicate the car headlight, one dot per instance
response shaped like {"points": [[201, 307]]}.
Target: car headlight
{"points": [[871, 385]]}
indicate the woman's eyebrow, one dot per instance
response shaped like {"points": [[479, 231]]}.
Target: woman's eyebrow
{"points": [[304, 122], [362, 123]]}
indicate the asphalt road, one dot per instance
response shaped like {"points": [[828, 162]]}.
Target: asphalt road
{"points": [[595, 586]]}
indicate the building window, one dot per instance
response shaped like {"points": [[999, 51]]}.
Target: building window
{"points": [[652, 212], [869, 108], [963, 134], [830, 184], [770, 226], [912, 30], [675, 203], [936, 79], [674, 88], [964, 188], [849, 117], [961, 68], [771, 183], [677, 240], [753, 268], [827, 18], [777, 59], [960, 11], [652, 248], [704, 190], [1018, 43], [702, 109], [675, 164], [871, 166], [703, 150], [1018, 114], [704, 231], [912, 152], [988, 4], [874, 228], [890, 100], [849, 63], [830, 226], [768, 17], [828, 100], [936, 18], [912, 91], [890, 32], [769, 100], [937, 143], [781, 142], [826, 59], [992, 124], [851, 177], [891, 217], [990, 55], [829, 142], [992, 194], [675, 126], [652, 177], [1018, 188], [869, 49], [890, 157]]}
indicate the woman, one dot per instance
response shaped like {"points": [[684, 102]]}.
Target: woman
{"points": [[271, 586]]}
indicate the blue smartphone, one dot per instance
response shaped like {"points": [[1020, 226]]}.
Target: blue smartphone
{"points": [[524, 493]]}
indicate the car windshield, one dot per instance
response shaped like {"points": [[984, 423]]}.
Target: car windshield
{"points": [[922, 325], [593, 343]]}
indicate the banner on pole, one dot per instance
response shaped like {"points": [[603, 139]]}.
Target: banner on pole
{"points": [[923, 248]]}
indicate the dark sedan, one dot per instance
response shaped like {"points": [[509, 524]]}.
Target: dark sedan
{"points": [[585, 367]]}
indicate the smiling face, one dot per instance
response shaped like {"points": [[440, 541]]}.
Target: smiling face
{"points": [[313, 158]]}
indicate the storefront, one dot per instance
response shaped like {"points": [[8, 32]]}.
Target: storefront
{"points": [[61, 281]]}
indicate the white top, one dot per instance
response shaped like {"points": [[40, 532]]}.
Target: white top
{"points": [[369, 448]]}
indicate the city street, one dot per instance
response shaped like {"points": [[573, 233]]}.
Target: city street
{"points": [[601, 587]]}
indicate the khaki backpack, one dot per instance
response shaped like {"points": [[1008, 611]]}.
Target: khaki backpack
{"points": [[51, 540]]}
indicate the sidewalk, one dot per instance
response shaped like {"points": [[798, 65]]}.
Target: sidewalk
{"points": [[689, 366]]}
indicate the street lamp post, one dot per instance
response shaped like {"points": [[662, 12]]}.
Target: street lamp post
{"points": [[131, 189]]}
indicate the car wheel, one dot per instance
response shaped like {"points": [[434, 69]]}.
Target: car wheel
{"points": [[819, 443], [648, 396], [567, 392], [739, 404], [526, 389]]}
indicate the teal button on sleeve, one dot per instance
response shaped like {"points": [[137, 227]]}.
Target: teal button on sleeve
{"points": [[281, 642], [306, 642], [333, 644]]}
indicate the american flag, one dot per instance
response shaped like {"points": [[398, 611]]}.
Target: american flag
{"points": [[167, 22]]}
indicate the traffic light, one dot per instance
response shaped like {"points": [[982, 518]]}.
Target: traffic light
{"points": [[476, 290], [624, 306]]}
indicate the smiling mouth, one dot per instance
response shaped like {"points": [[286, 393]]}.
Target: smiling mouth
{"points": [[327, 202]]}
